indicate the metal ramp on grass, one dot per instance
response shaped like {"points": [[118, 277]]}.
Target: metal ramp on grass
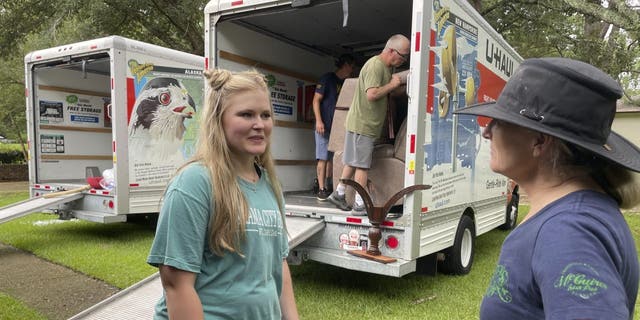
{"points": [[300, 229], [25, 207], [139, 300], [135, 302]]}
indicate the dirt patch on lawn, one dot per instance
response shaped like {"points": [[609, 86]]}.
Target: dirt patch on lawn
{"points": [[55, 291]]}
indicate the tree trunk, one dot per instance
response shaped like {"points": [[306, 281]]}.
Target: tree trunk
{"points": [[20, 139], [592, 25], [477, 4]]}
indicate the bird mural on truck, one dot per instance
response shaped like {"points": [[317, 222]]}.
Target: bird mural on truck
{"points": [[157, 124]]}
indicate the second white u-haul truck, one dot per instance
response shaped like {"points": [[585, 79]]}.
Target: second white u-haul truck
{"points": [[111, 107], [456, 59]]}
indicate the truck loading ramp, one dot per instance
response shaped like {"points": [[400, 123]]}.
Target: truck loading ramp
{"points": [[25, 207], [138, 301]]}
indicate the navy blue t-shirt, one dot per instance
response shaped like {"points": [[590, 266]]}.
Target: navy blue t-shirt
{"points": [[328, 86], [575, 259]]}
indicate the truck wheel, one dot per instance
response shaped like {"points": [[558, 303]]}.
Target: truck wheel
{"points": [[459, 258], [511, 213]]}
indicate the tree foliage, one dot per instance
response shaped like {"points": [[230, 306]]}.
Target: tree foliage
{"points": [[28, 25], [173, 24], [605, 34]]}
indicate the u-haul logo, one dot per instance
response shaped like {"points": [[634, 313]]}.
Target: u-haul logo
{"points": [[140, 70], [496, 58]]}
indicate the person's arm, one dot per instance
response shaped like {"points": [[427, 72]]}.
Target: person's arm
{"points": [[287, 299], [375, 93], [182, 300], [575, 265], [317, 98]]}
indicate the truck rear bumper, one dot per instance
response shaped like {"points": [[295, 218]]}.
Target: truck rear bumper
{"points": [[341, 258]]}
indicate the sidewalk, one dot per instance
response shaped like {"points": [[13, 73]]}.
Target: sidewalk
{"points": [[55, 291]]}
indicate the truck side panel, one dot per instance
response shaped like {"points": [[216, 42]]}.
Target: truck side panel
{"points": [[456, 156], [163, 102]]}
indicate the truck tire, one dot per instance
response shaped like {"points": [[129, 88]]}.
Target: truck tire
{"points": [[511, 213], [459, 258]]}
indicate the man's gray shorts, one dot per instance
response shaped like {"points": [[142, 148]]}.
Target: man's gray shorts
{"points": [[357, 150]]}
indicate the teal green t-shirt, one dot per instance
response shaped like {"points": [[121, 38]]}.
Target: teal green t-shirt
{"points": [[229, 287], [367, 117]]}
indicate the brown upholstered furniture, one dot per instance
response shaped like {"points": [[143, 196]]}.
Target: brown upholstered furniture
{"points": [[386, 176]]}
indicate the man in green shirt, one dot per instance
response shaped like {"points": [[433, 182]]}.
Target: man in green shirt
{"points": [[366, 117]]}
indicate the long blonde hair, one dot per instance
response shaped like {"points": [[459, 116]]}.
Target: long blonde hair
{"points": [[230, 209], [620, 183]]}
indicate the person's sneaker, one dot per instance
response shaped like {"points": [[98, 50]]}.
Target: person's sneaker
{"points": [[323, 194], [359, 210], [339, 201]]}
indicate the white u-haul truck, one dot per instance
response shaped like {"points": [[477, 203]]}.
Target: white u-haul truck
{"points": [[113, 107], [456, 59]]}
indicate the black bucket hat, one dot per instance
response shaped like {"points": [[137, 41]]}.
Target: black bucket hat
{"points": [[568, 99]]}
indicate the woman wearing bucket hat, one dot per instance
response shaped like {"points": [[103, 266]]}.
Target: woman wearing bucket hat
{"points": [[573, 255]]}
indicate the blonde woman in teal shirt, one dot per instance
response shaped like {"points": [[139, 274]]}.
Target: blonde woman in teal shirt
{"points": [[221, 244]]}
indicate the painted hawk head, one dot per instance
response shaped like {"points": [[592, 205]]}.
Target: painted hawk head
{"points": [[161, 107]]}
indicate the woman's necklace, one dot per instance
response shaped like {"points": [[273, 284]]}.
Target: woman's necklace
{"points": [[251, 175], [251, 179]]}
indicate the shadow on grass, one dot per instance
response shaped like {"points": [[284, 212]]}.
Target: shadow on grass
{"points": [[412, 288], [119, 232]]}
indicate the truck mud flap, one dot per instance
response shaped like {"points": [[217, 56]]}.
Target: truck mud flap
{"points": [[25, 207]]}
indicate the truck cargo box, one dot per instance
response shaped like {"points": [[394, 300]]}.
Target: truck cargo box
{"points": [[456, 59], [111, 118]]}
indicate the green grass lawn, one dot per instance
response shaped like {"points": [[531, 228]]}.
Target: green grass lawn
{"points": [[7, 198], [6, 147], [13, 309], [116, 253]]}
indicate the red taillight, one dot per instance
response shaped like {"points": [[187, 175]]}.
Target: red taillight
{"points": [[110, 204], [354, 220], [392, 242]]}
